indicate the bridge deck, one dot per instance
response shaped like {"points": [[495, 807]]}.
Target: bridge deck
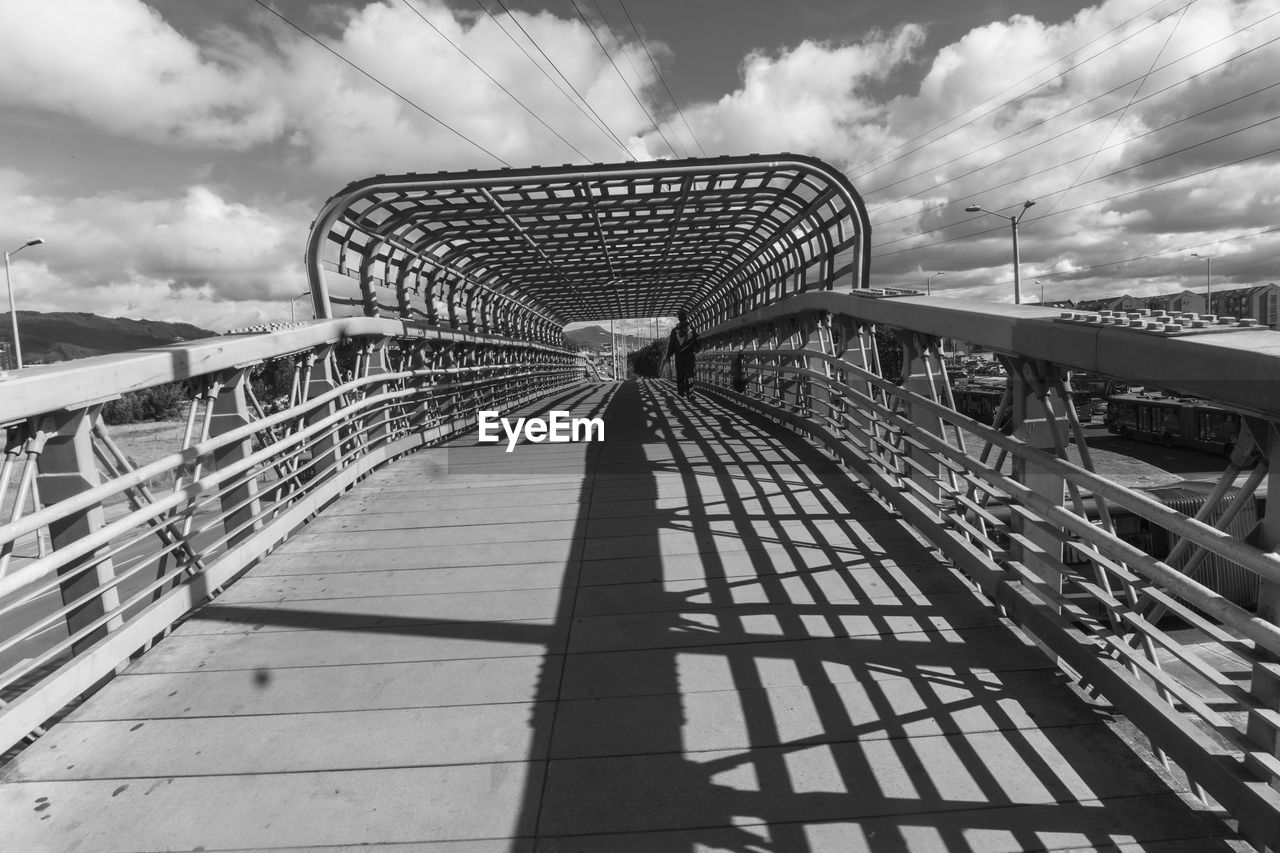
{"points": [[697, 635]]}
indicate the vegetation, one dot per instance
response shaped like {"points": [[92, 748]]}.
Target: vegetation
{"points": [[647, 361], [271, 383], [161, 403]]}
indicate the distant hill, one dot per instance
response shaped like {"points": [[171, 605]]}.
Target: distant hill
{"points": [[597, 337], [61, 335]]}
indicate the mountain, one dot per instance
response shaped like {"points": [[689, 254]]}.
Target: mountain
{"points": [[597, 337], [62, 335]]}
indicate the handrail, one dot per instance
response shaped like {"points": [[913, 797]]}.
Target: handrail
{"points": [[364, 391], [39, 389], [1231, 364], [1058, 569]]}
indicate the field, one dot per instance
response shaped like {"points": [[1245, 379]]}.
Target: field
{"points": [[142, 443]]}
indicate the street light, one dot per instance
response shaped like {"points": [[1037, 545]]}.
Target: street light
{"points": [[1013, 222], [1208, 279], [292, 315], [1041, 290], [13, 311], [928, 283]]}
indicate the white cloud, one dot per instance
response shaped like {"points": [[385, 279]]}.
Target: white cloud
{"points": [[1096, 208], [194, 255], [347, 125], [812, 98], [116, 66], [119, 66], [42, 287]]}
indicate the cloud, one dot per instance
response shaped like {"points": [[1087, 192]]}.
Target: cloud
{"points": [[814, 98], [1097, 146], [42, 287], [344, 124], [193, 255], [922, 129], [119, 66]]}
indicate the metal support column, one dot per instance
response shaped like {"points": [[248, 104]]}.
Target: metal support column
{"points": [[67, 468], [922, 468], [1033, 424], [241, 505]]}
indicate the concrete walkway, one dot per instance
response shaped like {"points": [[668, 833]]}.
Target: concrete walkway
{"points": [[696, 636]]}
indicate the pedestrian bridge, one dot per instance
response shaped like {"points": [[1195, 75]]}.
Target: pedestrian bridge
{"points": [[813, 608]]}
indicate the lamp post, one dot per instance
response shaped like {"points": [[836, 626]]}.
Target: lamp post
{"points": [[1208, 281], [1041, 290], [928, 283], [293, 317], [1013, 223], [13, 311]]}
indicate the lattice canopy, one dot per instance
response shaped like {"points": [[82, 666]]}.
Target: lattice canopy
{"points": [[525, 251]]}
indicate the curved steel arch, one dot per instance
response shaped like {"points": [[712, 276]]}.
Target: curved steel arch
{"points": [[539, 247]]}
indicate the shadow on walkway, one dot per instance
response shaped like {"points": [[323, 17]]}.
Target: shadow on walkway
{"points": [[736, 649]]}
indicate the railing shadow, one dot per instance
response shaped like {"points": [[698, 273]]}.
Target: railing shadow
{"points": [[753, 655]]}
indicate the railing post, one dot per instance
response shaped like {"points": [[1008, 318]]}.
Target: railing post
{"points": [[241, 504], [420, 411], [323, 379], [67, 467], [378, 422], [857, 345], [1033, 424], [817, 402], [916, 378], [1264, 727]]}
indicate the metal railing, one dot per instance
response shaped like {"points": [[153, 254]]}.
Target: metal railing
{"points": [[100, 557], [1020, 511]]}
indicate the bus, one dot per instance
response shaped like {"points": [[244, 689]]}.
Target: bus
{"points": [[979, 398], [1173, 421]]}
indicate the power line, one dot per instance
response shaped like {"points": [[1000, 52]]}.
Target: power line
{"points": [[404, 98], [511, 17], [1001, 106], [635, 71], [674, 102], [1113, 173], [1120, 117], [1047, 169], [1150, 255], [478, 67], [1071, 109], [592, 117], [623, 78], [1174, 180]]}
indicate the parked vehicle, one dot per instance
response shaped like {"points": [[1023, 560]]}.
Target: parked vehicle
{"points": [[1173, 421], [979, 398]]}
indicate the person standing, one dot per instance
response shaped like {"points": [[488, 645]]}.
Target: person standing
{"points": [[681, 346]]}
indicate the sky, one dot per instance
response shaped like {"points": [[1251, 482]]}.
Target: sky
{"points": [[172, 154]]}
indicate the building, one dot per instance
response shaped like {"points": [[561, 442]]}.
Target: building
{"points": [[1113, 303], [1185, 301], [1261, 302]]}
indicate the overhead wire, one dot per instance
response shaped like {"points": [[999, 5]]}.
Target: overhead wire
{"points": [[1120, 118], [620, 48], [1042, 122], [1047, 169], [1012, 86], [622, 77], [1084, 205], [398, 94], [1160, 253], [589, 113], [661, 78], [618, 45], [492, 79]]}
